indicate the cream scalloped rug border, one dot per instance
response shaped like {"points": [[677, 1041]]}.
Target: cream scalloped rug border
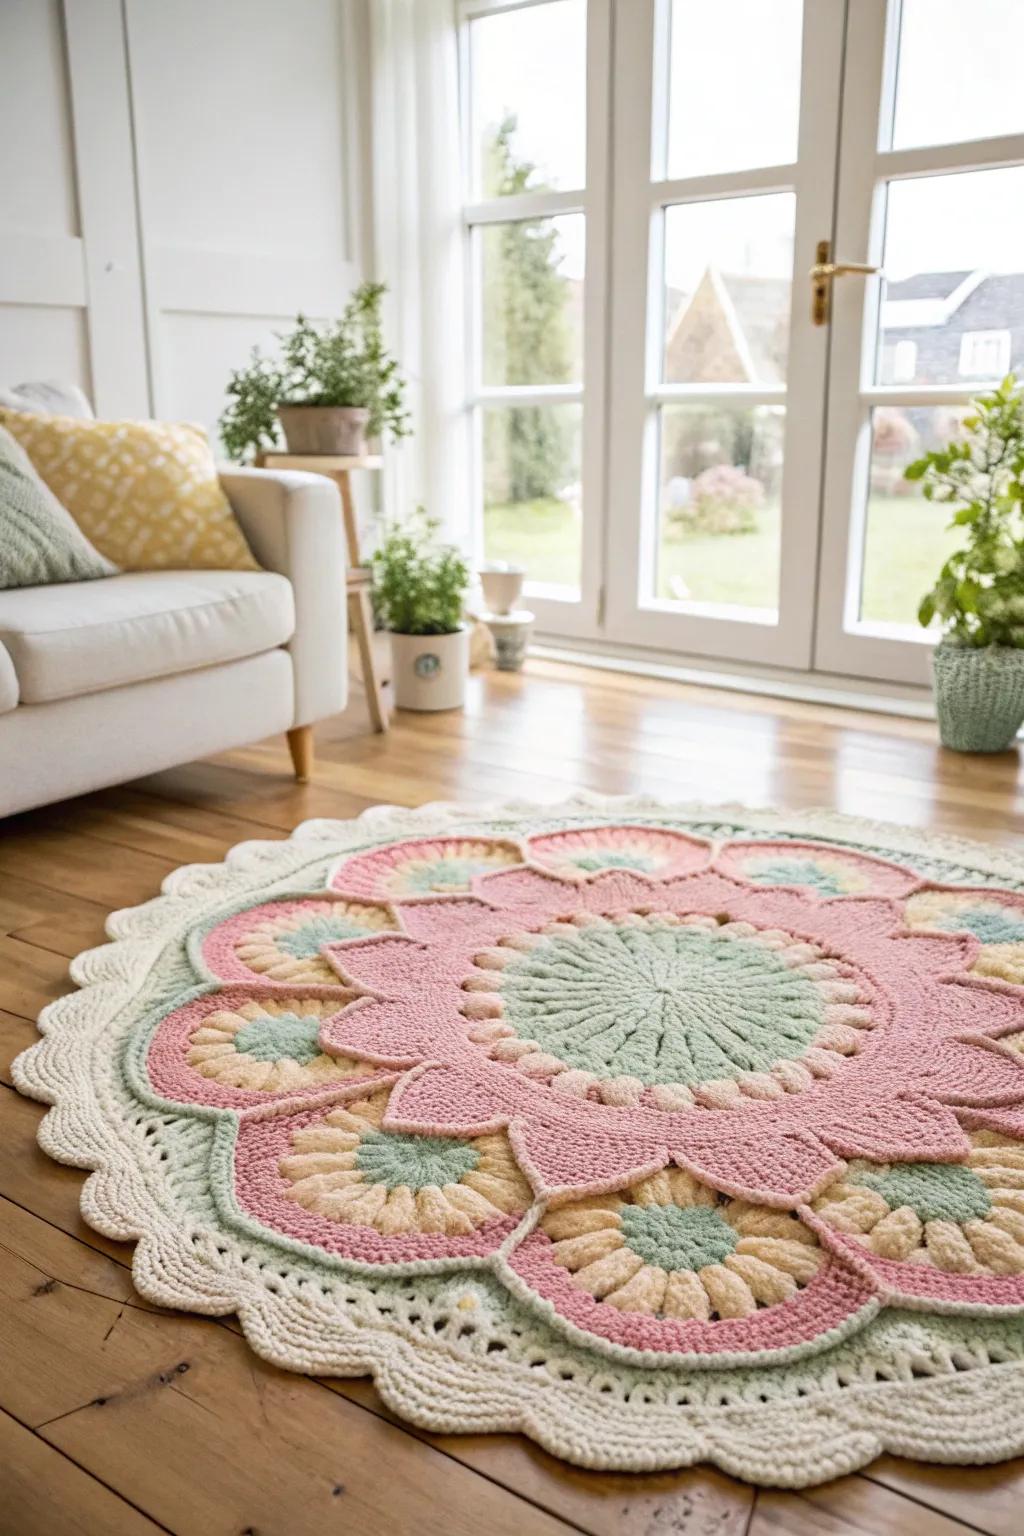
{"points": [[959, 1416]]}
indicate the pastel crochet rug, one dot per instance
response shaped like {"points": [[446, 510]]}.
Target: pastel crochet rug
{"points": [[661, 1134]]}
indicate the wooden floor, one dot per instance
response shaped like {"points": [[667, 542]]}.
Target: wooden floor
{"points": [[116, 1417]]}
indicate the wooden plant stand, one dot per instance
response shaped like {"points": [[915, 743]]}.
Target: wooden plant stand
{"points": [[358, 578]]}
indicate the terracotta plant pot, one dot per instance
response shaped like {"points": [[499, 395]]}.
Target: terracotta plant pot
{"points": [[329, 430], [430, 671]]}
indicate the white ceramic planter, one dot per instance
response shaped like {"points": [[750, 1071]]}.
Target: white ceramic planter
{"points": [[430, 671]]}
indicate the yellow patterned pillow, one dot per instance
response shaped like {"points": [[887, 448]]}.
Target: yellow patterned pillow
{"points": [[145, 493]]}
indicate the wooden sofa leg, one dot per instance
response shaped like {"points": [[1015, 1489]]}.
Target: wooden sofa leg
{"points": [[300, 745]]}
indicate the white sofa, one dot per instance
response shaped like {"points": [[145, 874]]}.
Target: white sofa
{"points": [[101, 681]]}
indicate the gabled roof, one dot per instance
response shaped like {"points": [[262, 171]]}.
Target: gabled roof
{"points": [[926, 285]]}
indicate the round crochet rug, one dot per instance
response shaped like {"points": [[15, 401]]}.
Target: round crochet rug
{"points": [[661, 1134]]}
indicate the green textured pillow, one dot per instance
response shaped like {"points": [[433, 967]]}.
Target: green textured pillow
{"points": [[40, 542]]}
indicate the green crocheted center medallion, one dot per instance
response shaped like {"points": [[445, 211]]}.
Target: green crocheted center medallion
{"points": [[675, 1238], [417, 1162], [933, 1191], [662, 1000], [273, 1038]]}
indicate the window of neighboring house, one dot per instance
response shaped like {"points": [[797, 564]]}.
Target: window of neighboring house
{"points": [[904, 362], [526, 173], [984, 354]]}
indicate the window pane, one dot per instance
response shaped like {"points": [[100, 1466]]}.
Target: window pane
{"points": [[734, 85], [959, 71], [728, 271], [532, 300], [905, 537], [954, 265], [532, 497], [720, 488], [528, 82]]}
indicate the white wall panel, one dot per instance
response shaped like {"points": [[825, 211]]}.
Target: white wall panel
{"points": [[241, 125]]}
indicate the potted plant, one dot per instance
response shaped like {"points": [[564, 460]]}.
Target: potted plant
{"points": [[329, 391], [419, 586], [979, 596]]}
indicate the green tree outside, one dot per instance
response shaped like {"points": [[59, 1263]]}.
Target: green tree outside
{"points": [[527, 337]]}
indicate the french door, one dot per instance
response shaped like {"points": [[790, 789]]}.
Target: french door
{"points": [[726, 134], [731, 430]]}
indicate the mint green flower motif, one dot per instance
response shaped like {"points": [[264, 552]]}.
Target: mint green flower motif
{"points": [[285, 940], [274, 1038], [962, 1218], [395, 1159], [988, 924], [674, 1238], [796, 872], [441, 875], [305, 942], [934, 1191], [590, 863]]}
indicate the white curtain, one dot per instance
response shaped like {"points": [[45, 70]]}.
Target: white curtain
{"points": [[418, 249]]}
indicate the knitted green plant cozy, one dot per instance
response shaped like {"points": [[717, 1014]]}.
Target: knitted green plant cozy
{"points": [[979, 695]]}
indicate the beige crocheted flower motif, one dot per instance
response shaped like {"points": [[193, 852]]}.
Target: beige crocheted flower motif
{"points": [[346, 1168], [269, 1046], [962, 1218], [671, 1247]]}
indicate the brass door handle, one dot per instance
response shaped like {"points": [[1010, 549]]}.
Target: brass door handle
{"points": [[821, 275]]}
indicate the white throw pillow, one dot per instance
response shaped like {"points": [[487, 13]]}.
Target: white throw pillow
{"points": [[49, 396]]}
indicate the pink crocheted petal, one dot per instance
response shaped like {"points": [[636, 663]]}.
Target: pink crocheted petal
{"points": [[392, 964], [181, 1067], [819, 868], [586, 851], [706, 890], [916, 1282], [529, 889], [265, 1196], [974, 1072], [450, 918], [622, 891], [217, 951], [895, 1130], [420, 866], [391, 1032], [837, 1299], [442, 1101], [979, 1005], [777, 1168], [1009, 1122], [558, 1157]]}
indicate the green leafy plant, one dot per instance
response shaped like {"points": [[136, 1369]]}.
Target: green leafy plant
{"points": [[419, 584], [979, 595], [344, 364]]}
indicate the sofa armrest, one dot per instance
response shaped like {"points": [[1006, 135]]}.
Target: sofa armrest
{"points": [[292, 521]]}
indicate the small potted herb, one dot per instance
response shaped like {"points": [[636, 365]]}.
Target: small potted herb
{"points": [[979, 596], [419, 587], [328, 392]]}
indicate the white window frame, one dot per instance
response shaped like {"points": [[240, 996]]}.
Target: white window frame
{"points": [[844, 644], [559, 610], [976, 346], [641, 194]]}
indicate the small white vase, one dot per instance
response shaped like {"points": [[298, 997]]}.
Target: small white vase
{"points": [[430, 671]]}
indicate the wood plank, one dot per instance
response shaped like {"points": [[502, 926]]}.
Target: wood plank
{"points": [[990, 1499], [849, 1506], [30, 977], [42, 1493]]}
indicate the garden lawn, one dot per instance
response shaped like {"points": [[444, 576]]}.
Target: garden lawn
{"points": [[906, 542]]}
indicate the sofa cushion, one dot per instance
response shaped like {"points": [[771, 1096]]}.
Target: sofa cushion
{"points": [[83, 637], [8, 682], [40, 542]]}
